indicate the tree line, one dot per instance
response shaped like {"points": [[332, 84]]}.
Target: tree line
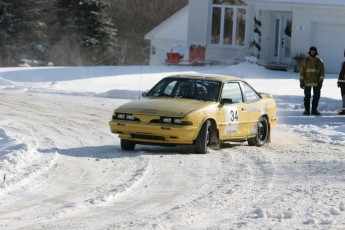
{"points": [[80, 32]]}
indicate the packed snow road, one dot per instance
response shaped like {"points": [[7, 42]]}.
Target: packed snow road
{"points": [[67, 171]]}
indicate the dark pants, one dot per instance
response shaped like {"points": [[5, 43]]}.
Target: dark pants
{"points": [[307, 96], [342, 89]]}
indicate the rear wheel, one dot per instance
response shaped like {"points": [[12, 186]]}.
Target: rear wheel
{"points": [[127, 145], [202, 142], [262, 133]]}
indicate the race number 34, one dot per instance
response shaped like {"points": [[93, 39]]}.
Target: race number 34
{"points": [[231, 119], [233, 115]]}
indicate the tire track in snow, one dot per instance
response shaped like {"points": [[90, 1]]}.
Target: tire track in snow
{"points": [[92, 183]]}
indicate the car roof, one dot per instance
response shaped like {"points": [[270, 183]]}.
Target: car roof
{"points": [[214, 77]]}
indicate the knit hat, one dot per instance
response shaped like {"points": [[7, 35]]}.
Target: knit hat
{"points": [[313, 48]]}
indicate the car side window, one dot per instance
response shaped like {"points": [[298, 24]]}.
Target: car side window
{"points": [[250, 94], [169, 88], [232, 90]]}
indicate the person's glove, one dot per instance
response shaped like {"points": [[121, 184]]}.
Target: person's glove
{"points": [[301, 84], [319, 85]]}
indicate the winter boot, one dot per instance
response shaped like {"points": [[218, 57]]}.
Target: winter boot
{"points": [[315, 112], [306, 107], [343, 109], [306, 112]]}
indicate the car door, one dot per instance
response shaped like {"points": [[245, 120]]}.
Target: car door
{"points": [[255, 107], [234, 112]]}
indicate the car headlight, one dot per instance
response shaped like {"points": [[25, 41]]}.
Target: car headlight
{"points": [[124, 116], [175, 120], [120, 116], [130, 117], [167, 120], [178, 121]]}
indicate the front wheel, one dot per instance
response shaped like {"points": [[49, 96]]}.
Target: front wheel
{"points": [[202, 142], [262, 133], [127, 145]]}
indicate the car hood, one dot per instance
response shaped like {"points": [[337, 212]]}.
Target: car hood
{"points": [[162, 107]]}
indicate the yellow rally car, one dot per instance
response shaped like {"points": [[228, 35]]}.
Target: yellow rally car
{"points": [[200, 110]]}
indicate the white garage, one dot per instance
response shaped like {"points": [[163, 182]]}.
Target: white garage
{"points": [[330, 41]]}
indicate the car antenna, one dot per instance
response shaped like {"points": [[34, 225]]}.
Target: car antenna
{"points": [[141, 76]]}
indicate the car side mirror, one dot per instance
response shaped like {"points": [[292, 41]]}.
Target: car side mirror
{"points": [[226, 101], [144, 94]]}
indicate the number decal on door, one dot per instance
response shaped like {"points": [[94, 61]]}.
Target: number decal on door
{"points": [[233, 115], [231, 119]]}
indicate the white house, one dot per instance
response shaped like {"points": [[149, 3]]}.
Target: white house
{"points": [[274, 30], [170, 33]]}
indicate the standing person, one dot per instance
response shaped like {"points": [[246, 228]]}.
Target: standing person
{"points": [[312, 74], [341, 84]]}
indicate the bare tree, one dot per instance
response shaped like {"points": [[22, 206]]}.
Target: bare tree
{"points": [[134, 18]]}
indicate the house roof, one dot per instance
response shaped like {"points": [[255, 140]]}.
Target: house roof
{"points": [[302, 2], [179, 19]]}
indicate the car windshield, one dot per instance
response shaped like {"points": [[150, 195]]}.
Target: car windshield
{"points": [[199, 89]]}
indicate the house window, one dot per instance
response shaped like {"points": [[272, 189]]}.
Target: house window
{"points": [[228, 22]]}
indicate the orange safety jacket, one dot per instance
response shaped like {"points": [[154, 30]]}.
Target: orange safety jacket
{"points": [[312, 72]]}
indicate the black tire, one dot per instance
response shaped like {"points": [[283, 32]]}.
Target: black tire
{"points": [[127, 145], [202, 142], [262, 133]]}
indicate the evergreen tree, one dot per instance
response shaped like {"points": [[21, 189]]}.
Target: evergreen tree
{"points": [[81, 33], [21, 32]]}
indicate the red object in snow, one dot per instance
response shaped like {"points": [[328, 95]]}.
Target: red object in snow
{"points": [[197, 55], [173, 58]]}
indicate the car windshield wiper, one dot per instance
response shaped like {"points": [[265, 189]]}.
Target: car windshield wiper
{"points": [[159, 95]]}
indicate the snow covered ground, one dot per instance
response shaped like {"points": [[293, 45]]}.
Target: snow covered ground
{"points": [[61, 168]]}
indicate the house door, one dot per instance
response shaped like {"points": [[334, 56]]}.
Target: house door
{"points": [[280, 42]]}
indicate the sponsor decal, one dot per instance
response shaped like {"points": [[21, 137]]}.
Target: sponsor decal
{"points": [[149, 111], [254, 129], [255, 109]]}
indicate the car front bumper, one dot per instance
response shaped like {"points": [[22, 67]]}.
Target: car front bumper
{"points": [[154, 133]]}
